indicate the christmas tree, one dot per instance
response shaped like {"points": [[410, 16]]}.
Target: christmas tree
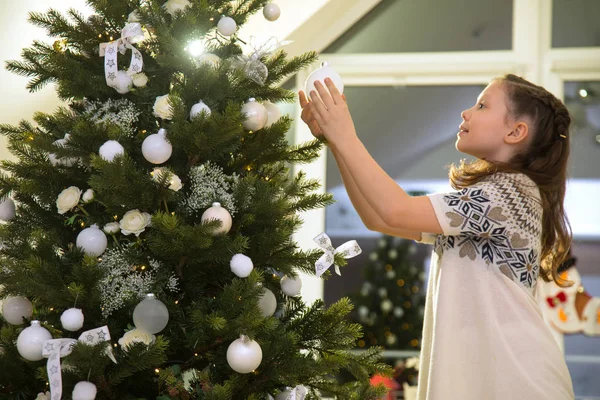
{"points": [[150, 255], [391, 301]]}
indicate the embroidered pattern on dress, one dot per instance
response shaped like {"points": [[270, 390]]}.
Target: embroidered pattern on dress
{"points": [[485, 231]]}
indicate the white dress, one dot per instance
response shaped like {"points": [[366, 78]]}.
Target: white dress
{"points": [[484, 336]]}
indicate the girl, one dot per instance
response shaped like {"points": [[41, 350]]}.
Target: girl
{"points": [[484, 336]]}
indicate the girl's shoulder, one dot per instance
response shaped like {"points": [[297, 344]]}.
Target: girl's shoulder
{"points": [[513, 184]]}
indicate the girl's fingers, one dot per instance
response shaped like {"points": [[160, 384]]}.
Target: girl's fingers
{"points": [[303, 99], [325, 96], [317, 108], [335, 93]]}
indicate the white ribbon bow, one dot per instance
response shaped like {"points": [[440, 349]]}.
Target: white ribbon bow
{"points": [[348, 250], [132, 33], [54, 349]]}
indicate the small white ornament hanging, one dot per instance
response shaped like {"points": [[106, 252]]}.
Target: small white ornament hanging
{"points": [[255, 115], [241, 265], [244, 355], [220, 213], [151, 315], [363, 312], [140, 79], [72, 319], [291, 286], [7, 209], [226, 26], [382, 292], [326, 71], [92, 240], [65, 161], [84, 391], [208, 58], [393, 254], [398, 312], [31, 340], [14, 309], [198, 108], [156, 148], [386, 306], [123, 82], [271, 11], [273, 113], [267, 303], [110, 149]]}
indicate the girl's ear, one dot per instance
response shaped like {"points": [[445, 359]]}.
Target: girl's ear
{"points": [[518, 134]]}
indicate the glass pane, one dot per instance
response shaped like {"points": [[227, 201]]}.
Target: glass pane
{"points": [[575, 23], [430, 25], [583, 101]]}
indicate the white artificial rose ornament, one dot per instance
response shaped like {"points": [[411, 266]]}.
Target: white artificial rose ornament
{"points": [[136, 336], [140, 79], [134, 222], [111, 228], [162, 108], [175, 6], [68, 199], [174, 180], [88, 196]]}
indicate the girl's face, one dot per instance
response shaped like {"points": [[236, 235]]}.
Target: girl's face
{"points": [[485, 125]]}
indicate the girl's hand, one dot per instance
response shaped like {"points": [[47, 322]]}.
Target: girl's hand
{"points": [[330, 112], [307, 116]]}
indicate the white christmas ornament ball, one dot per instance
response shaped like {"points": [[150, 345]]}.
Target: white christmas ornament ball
{"points": [[208, 58], [363, 312], [14, 309], [226, 26], [7, 209], [244, 355], [267, 303], [398, 312], [72, 319], [84, 391], [393, 254], [151, 315], [31, 340], [220, 213], [66, 161], [156, 148], [291, 286], [382, 292], [271, 11], [123, 82], [241, 265], [92, 240], [326, 71], [386, 306], [255, 115], [273, 113], [110, 150], [198, 108]]}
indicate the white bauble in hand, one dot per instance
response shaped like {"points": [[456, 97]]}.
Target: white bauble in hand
{"points": [[110, 149], [226, 26], [241, 265], [151, 315], [7, 209], [267, 303], [220, 213], [198, 108], [326, 71], [92, 240], [84, 391], [244, 355], [31, 341], [273, 113], [14, 309], [66, 161], [271, 11], [291, 286], [255, 115], [156, 148], [72, 319], [123, 82]]}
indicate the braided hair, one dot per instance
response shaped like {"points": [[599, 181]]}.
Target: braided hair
{"points": [[544, 160]]}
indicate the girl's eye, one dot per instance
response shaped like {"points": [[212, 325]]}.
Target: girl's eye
{"points": [[480, 106]]}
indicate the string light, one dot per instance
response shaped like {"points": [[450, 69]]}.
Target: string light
{"points": [[583, 93], [195, 48], [157, 370], [82, 224], [176, 301], [400, 282]]}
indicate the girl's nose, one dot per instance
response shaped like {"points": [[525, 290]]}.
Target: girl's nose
{"points": [[463, 114]]}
